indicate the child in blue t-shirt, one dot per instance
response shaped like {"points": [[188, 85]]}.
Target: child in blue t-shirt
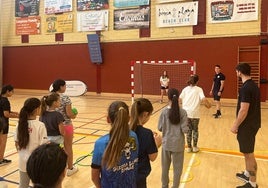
{"points": [[115, 155]]}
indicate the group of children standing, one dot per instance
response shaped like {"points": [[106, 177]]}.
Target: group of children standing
{"points": [[122, 157], [54, 126]]}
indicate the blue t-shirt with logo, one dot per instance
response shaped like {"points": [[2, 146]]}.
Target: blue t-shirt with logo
{"points": [[123, 175]]}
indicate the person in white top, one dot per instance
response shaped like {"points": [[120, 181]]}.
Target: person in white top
{"points": [[191, 98], [164, 82], [30, 133]]}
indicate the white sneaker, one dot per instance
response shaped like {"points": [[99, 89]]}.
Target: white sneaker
{"points": [[189, 150], [195, 149], [72, 171]]}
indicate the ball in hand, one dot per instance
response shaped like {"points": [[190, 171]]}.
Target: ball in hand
{"points": [[74, 110]]}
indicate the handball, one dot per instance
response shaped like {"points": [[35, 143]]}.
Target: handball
{"points": [[74, 110]]}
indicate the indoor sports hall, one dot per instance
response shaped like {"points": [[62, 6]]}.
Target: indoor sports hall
{"points": [[214, 166], [109, 50]]}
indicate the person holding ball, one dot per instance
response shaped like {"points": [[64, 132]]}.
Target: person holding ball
{"points": [[59, 86], [192, 96]]}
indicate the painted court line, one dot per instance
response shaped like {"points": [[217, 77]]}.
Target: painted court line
{"points": [[188, 170]]}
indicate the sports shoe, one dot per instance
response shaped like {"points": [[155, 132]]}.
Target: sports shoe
{"points": [[247, 185], [242, 177], [4, 162], [217, 116], [161, 101], [189, 150], [72, 171], [195, 149], [7, 161]]}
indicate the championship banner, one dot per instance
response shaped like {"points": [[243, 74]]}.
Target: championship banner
{"points": [[57, 6], [130, 3], [59, 24], [25, 8], [232, 11], [132, 18], [92, 20], [92, 4], [28, 25], [178, 14]]}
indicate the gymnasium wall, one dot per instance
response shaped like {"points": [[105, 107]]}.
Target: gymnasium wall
{"points": [[36, 64], [35, 67]]}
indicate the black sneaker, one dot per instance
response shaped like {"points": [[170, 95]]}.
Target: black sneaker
{"points": [[217, 116], [247, 185], [242, 177], [4, 162]]}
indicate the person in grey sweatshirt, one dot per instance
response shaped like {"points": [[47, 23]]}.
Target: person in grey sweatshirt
{"points": [[172, 123]]}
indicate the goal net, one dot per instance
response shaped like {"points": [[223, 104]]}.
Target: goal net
{"points": [[145, 75]]}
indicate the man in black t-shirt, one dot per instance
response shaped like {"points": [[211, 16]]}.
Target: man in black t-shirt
{"points": [[247, 123], [217, 89]]}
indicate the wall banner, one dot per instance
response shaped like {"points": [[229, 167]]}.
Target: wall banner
{"points": [[177, 14], [232, 10], [25, 8], [56, 6], [94, 48], [92, 20], [59, 24], [132, 18], [92, 4], [168, 1], [28, 25], [130, 3]]}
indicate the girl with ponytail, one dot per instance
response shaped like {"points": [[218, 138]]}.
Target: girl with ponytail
{"points": [[59, 87], [52, 119], [30, 133], [173, 125], [115, 155], [149, 141]]}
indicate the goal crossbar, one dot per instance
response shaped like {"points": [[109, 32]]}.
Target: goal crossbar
{"points": [[145, 75]]}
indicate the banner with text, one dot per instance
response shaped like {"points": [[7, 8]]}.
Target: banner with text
{"points": [[130, 3], [92, 4], [168, 1], [28, 25], [59, 24], [177, 14], [25, 8], [132, 18], [232, 11], [56, 6], [92, 20]]}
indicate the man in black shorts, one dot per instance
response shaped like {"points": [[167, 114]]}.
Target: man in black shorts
{"points": [[247, 123], [217, 89]]}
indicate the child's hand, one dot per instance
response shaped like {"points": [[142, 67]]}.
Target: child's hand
{"points": [[157, 139]]}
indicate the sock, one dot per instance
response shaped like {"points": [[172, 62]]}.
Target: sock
{"points": [[253, 184], [218, 112], [246, 173]]}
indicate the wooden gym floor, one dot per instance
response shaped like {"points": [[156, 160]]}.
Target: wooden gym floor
{"points": [[213, 167]]}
